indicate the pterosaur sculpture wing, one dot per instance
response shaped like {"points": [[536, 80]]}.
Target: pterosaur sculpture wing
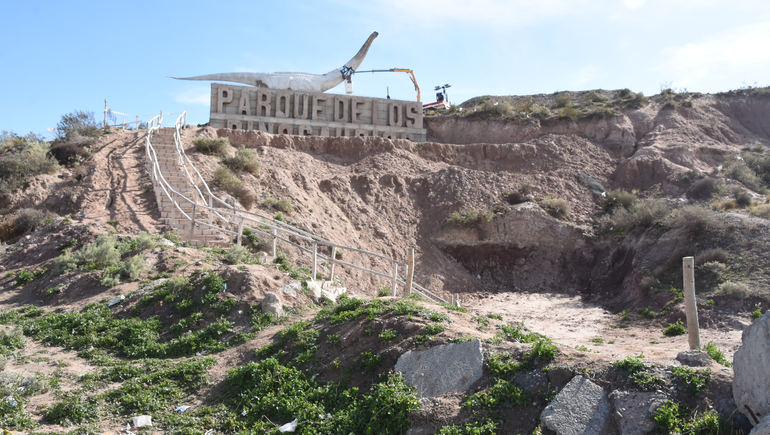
{"points": [[296, 81]]}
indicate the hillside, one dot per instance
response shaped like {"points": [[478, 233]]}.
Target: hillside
{"points": [[566, 213]]}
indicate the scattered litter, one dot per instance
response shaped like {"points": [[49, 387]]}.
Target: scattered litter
{"points": [[289, 427], [224, 288], [142, 421], [116, 301], [478, 276], [210, 432], [182, 409], [292, 288], [12, 402]]}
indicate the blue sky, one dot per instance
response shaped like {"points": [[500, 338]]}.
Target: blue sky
{"points": [[58, 57]]}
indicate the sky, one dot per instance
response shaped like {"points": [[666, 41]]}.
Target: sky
{"points": [[57, 57]]}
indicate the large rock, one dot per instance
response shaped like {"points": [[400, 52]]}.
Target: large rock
{"points": [[272, 304], [442, 369], [694, 358], [751, 365], [580, 408], [633, 410], [763, 428]]}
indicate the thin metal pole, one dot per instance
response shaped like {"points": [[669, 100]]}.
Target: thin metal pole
{"points": [[691, 308], [275, 241]]}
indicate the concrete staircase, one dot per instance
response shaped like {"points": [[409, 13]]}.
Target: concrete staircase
{"points": [[174, 174]]}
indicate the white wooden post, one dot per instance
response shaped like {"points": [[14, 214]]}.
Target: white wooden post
{"points": [[211, 206], [173, 209], [240, 231], [192, 223], [105, 114], [333, 263], [409, 273], [137, 122], [395, 277], [275, 241], [691, 308], [315, 260]]}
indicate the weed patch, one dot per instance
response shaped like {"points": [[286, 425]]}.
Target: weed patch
{"points": [[692, 381], [217, 145]]}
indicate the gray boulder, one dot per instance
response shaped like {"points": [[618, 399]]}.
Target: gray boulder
{"points": [[442, 369], [694, 358], [633, 410], [751, 365], [763, 428], [580, 408], [272, 304]]}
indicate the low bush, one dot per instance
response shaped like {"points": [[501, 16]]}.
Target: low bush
{"points": [[145, 240], [745, 175], [674, 329], [236, 254], [568, 112], [73, 410], [520, 195], [134, 267], [710, 255], [557, 207], [644, 213], [716, 354], [16, 167], [761, 210], [697, 219], [171, 237], [245, 159], [217, 145], [29, 219], [104, 251], [77, 123], [491, 109], [469, 217], [707, 188], [692, 381], [742, 198], [620, 198], [737, 290], [227, 181], [283, 205], [563, 99], [69, 154]]}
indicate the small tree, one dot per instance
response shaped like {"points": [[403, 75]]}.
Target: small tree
{"points": [[77, 123]]}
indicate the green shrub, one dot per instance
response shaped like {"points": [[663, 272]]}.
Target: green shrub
{"points": [[692, 381], [745, 175], [716, 354], [29, 219], [227, 181], [470, 217], [644, 213], [145, 240], [25, 276], [77, 123], [134, 267], [620, 198], [502, 394], [736, 290], [171, 236], [629, 365], [646, 381], [11, 340], [761, 210], [707, 188], [13, 414], [109, 280], [568, 112], [236, 254], [486, 427], [557, 207], [491, 109], [283, 205], [217, 145], [675, 329], [245, 159], [563, 100], [72, 410], [696, 219], [712, 255]]}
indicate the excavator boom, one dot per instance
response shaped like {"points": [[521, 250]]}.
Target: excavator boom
{"points": [[408, 71]]}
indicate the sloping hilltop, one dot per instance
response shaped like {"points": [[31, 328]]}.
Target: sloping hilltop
{"points": [[559, 220]]}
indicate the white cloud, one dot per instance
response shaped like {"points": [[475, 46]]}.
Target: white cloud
{"points": [[736, 54], [634, 4], [200, 96]]}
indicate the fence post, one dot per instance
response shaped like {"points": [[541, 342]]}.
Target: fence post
{"points": [[105, 114], [315, 260], [240, 231], [693, 330], [275, 241], [395, 277], [137, 122], [211, 206], [409, 272], [192, 223], [332, 261], [173, 208]]}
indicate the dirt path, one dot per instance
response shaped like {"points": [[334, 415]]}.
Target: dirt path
{"points": [[121, 186], [570, 321]]}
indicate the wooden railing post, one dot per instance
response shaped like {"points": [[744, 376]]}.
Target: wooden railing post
{"points": [[173, 208], [333, 263], [395, 277], [192, 223], [211, 206], [275, 241], [315, 260], [409, 273], [691, 308], [240, 231]]}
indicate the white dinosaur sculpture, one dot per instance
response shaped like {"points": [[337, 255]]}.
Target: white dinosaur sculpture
{"points": [[296, 81]]}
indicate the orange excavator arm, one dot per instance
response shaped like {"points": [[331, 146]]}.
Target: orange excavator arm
{"points": [[408, 71]]}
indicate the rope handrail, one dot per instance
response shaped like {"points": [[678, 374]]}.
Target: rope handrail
{"points": [[233, 215]]}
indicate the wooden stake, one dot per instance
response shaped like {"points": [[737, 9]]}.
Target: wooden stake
{"points": [[410, 273], [315, 260], [333, 263], [275, 241], [691, 308]]}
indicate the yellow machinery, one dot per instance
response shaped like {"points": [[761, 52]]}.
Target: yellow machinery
{"points": [[408, 71]]}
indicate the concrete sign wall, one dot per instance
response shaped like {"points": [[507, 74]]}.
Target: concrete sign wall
{"points": [[307, 113]]}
